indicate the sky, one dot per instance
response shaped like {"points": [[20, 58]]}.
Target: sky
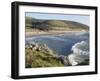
{"points": [[84, 19]]}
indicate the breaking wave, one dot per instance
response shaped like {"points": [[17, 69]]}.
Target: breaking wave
{"points": [[80, 52]]}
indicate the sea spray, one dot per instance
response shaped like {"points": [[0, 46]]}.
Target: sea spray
{"points": [[80, 52]]}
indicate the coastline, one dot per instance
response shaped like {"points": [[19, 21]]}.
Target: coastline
{"points": [[34, 33]]}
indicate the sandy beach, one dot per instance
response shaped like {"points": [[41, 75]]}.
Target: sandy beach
{"points": [[38, 32]]}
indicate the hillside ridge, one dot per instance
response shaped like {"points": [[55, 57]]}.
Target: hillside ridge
{"points": [[57, 25]]}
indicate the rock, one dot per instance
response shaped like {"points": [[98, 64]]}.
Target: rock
{"points": [[64, 60], [39, 47]]}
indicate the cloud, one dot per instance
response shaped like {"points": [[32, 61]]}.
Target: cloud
{"points": [[80, 52]]}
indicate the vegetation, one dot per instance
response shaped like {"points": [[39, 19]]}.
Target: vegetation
{"points": [[41, 58], [41, 24], [40, 55], [28, 21]]}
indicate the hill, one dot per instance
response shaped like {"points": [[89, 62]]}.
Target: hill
{"points": [[56, 25], [39, 55]]}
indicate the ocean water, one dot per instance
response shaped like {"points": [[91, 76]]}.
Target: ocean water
{"points": [[61, 43]]}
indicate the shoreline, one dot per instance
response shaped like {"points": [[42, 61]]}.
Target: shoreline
{"points": [[30, 34]]}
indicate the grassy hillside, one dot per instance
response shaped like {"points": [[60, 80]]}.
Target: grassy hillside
{"points": [[58, 25], [41, 56]]}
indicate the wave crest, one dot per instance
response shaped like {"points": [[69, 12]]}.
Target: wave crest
{"points": [[80, 52]]}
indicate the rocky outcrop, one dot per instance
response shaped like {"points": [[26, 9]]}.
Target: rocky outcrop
{"points": [[64, 60], [39, 47]]}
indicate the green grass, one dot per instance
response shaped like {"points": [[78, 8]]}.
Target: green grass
{"points": [[46, 25], [42, 58]]}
